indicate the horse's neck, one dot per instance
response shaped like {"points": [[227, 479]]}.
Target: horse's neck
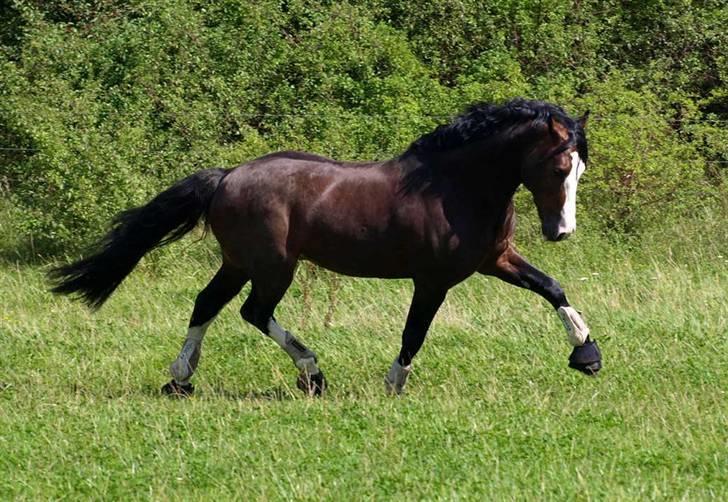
{"points": [[492, 184], [483, 176]]}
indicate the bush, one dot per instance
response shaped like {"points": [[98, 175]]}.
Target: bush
{"points": [[641, 170], [106, 102]]}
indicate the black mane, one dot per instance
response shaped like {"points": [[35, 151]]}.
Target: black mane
{"points": [[487, 120]]}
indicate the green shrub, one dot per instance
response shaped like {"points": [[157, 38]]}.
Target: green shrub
{"points": [[104, 103], [641, 169]]}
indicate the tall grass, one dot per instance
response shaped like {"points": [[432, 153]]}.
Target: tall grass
{"points": [[491, 410]]}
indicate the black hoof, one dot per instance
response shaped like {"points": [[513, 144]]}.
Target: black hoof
{"points": [[586, 358], [312, 385], [175, 389]]}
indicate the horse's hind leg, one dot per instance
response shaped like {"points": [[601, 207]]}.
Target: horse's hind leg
{"points": [[222, 288], [258, 310]]}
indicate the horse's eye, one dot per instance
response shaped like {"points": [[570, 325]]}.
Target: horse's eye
{"points": [[559, 173]]}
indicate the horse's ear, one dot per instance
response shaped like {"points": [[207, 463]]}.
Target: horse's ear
{"points": [[582, 120], [558, 130]]}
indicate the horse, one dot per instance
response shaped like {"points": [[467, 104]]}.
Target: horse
{"points": [[436, 214]]}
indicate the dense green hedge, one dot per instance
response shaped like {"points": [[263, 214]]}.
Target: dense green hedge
{"points": [[105, 102]]}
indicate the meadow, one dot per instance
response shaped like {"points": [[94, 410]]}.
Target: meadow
{"points": [[491, 410], [104, 103]]}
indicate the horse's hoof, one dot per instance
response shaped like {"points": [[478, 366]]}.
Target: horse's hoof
{"points": [[586, 358], [312, 385], [174, 389]]}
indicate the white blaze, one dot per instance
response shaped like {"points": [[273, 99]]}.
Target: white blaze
{"points": [[567, 224]]}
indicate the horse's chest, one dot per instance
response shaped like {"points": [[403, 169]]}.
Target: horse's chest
{"points": [[462, 253], [458, 250]]}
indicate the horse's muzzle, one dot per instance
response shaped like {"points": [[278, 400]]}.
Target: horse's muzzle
{"points": [[555, 233]]}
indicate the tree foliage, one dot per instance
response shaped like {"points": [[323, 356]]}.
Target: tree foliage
{"points": [[105, 102]]}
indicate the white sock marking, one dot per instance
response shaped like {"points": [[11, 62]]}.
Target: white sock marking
{"points": [[184, 366], [576, 328]]}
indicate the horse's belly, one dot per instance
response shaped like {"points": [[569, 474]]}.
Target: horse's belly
{"points": [[361, 259]]}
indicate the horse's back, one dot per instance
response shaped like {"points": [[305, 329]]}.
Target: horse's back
{"points": [[292, 203], [287, 180]]}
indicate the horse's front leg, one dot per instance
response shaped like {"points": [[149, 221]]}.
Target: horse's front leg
{"points": [[427, 299], [514, 269]]}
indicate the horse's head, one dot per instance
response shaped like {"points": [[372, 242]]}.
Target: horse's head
{"points": [[551, 172]]}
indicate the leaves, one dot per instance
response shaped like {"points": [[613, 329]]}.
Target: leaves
{"points": [[104, 103]]}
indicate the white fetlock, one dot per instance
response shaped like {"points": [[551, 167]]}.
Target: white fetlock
{"points": [[396, 379], [576, 328]]}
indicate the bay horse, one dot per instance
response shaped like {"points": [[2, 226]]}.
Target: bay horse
{"points": [[438, 213]]}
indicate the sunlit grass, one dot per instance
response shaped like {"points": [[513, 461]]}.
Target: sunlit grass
{"points": [[491, 410]]}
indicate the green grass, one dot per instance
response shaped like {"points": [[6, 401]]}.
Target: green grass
{"points": [[491, 411]]}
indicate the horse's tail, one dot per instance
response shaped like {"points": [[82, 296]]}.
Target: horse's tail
{"points": [[134, 232]]}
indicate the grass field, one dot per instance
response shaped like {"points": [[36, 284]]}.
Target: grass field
{"points": [[491, 410]]}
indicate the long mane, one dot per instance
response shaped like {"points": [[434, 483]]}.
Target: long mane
{"points": [[485, 121]]}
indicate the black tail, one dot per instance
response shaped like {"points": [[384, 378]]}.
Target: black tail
{"points": [[134, 232]]}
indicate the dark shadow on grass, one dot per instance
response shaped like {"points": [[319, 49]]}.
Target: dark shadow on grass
{"points": [[218, 391], [24, 253], [279, 393], [272, 394]]}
